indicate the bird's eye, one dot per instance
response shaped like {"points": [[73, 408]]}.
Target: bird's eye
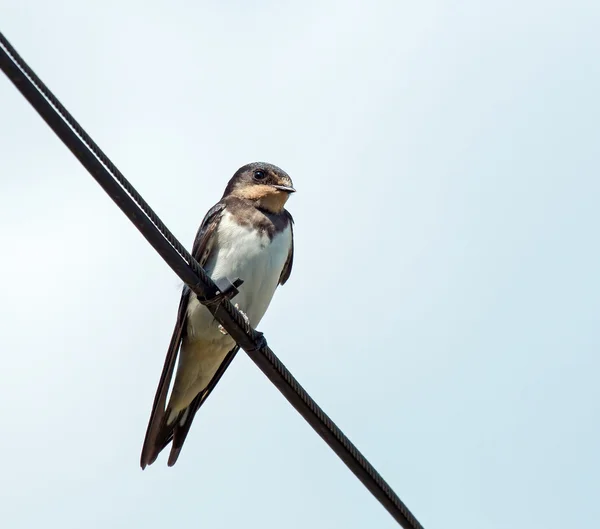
{"points": [[260, 175]]}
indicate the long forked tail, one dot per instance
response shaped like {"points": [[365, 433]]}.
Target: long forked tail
{"points": [[161, 432]]}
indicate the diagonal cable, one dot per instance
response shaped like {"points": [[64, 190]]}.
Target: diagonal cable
{"points": [[187, 268]]}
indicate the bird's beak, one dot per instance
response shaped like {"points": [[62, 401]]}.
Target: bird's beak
{"points": [[285, 189]]}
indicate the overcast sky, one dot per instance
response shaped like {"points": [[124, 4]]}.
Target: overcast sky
{"points": [[444, 303]]}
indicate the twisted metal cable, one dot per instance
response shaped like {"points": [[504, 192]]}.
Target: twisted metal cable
{"points": [[342, 439], [105, 172], [93, 146]]}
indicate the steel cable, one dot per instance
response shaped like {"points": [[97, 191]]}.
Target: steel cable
{"points": [[173, 252]]}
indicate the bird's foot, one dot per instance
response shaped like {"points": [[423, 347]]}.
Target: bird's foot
{"points": [[246, 319], [261, 343]]}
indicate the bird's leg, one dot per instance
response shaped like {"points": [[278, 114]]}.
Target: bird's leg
{"points": [[246, 319]]}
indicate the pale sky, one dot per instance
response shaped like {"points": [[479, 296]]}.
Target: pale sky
{"points": [[443, 307]]}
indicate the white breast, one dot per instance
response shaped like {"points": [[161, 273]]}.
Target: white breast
{"points": [[245, 253]]}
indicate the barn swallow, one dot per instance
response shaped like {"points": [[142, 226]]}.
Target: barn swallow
{"points": [[248, 235]]}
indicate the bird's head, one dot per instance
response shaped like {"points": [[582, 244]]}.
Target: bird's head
{"points": [[264, 184]]}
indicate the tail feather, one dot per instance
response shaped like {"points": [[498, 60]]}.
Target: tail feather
{"points": [[181, 427], [154, 444], [162, 428], [171, 429]]}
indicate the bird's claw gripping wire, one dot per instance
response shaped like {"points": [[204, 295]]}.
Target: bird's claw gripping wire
{"points": [[261, 343]]}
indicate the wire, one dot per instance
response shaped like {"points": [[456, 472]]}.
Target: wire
{"points": [[187, 268]]}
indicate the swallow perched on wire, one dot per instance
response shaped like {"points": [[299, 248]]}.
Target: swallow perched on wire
{"points": [[247, 235]]}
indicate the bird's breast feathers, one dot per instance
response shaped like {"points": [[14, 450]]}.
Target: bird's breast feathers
{"points": [[242, 251]]}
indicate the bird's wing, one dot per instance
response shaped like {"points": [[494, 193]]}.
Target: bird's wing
{"points": [[286, 272], [156, 435]]}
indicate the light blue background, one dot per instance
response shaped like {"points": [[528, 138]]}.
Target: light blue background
{"points": [[443, 307]]}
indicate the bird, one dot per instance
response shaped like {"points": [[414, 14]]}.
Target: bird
{"points": [[247, 235]]}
